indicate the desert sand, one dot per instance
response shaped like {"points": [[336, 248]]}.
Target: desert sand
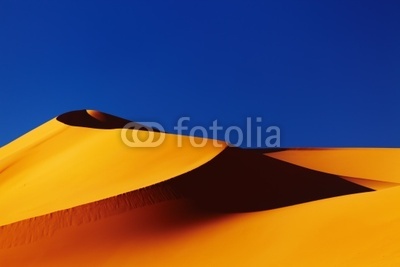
{"points": [[72, 194]]}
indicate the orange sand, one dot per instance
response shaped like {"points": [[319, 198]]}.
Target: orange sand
{"points": [[57, 171], [381, 164], [359, 230], [56, 166]]}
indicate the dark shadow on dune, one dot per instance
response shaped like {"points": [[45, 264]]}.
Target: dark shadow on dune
{"points": [[82, 118], [267, 150], [239, 180]]}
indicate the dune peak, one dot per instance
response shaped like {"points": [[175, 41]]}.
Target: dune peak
{"points": [[97, 114], [94, 119]]}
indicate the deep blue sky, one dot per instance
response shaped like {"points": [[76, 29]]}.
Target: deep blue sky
{"points": [[326, 72]]}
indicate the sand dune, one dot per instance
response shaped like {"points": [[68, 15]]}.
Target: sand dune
{"points": [[59, 166], [361, 230], [379, 164], [72, 194], [234, 181]]}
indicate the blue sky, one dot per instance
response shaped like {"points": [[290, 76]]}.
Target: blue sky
{"points": [[326, 72]]}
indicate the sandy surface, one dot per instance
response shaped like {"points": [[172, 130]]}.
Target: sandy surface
{"points": [[77, 196]]}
